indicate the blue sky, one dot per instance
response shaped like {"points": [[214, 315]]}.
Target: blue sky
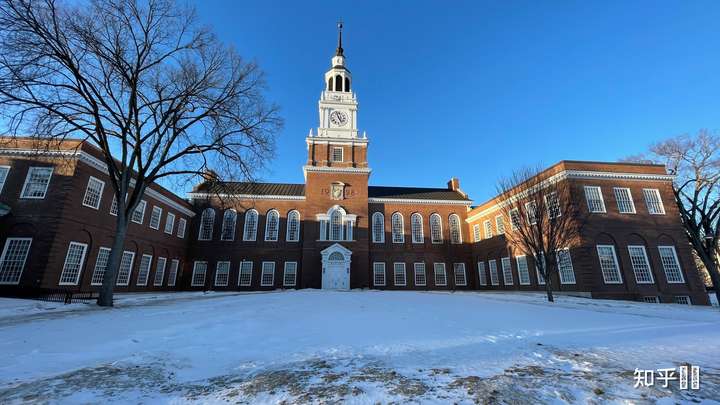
{"points": [[478, 89]]}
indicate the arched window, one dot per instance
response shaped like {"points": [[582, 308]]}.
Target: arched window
{"points": [[336, 257], [250, 229], [436, 235], [338, 83], [336, 225], [330, 84], [347, 84], [455, 235], [228, 226], [293, 226], [207, 222], [272, 223], [416, 228], [398, 228], [378, 228]]}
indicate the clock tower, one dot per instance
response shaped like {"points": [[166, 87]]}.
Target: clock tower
{"points": [[336, 185]]}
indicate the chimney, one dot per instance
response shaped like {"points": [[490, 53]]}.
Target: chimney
{"points": [[453, 184]]}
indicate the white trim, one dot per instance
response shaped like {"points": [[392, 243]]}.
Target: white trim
{"points": [[464, 274], [677, 262], [103, 269], [3, 180], [436, 266], [168, 222], [84, 247], [482, 276], [342, 154], [526, 269], [647, 263], [508, 278], [129, 271], [401, 238], [375, 272], [422, 230], [572, 267], [267, 226], [377, 214], [159, 217], [576, 174], [287, 226], [659, 197], [172, 275], [415, 274], [415, 201], [159, 271], [285, 274], [202, 196], [396, 273], [617, 265], [250, 274], [182, 228], [195, 269], [603, 209], [4, 253], [617, 190], [349, 170], [142, 203], [226, 273], [325, 140], [140, 270]]}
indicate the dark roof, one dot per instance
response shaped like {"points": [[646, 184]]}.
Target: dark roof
{"points": [[415, 193], [284, 189]]}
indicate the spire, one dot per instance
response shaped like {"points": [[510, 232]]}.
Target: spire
{"points": [[339, 50]]}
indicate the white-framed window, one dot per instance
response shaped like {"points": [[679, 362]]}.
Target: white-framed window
{"points": [[416, 228], [624, 199], [671, 264], [552, 203], [74, 260], [400, 277], [594, 198], [455, 232], [653, 201], [138, 216], [290, 274], [155, 217], [460, 275], [488, 229], [398, 228], [538, 274], [476, 233], [159, 271], [440, 274], [93, 193], [169, 223], [609, 264], [100, 266], [507, 271], [420, 275], [36, 183], [336, 224], [250, 227], [114, 206], [272, 226], [267, 277], [500, 224], [531, 212], [293, 227], [4, 170], [12, 261], [144, 270], [378, 227], [182, 224], [207, 223], [379, 274], [436, 235], [337, 154], [172, 275], [650, 299], [494, 280], [198, 276], [565, 266], [222, 273], [682, 299], [125, 270], [514, 219], [245, 276], [523, 271], [640, 264], [228, 225], [482, 277]]}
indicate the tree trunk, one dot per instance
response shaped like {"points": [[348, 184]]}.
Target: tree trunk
{"points": [[548, 290], [105, 299], [713, 270]]}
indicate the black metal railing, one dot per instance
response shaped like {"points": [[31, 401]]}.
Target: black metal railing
{"points": [[66, 296]]}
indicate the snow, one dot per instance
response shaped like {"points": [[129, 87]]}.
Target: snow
{"points": [[358, 346]]}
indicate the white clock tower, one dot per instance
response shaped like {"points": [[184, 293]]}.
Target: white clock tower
{"points": [[337, 105]]}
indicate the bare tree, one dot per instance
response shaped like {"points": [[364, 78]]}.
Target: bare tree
{"points": [[159, 94], [544, 219], [695, 161]]}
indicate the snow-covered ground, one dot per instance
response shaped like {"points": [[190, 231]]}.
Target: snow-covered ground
{"points": [[358, 347]]}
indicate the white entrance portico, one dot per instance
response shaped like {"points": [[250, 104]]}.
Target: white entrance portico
{"points": [[336, 267]]}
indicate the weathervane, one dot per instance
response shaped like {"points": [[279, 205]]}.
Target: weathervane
{"points": [[339, 51]]}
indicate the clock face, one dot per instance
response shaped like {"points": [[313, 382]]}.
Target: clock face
{"points": [[338, 117]]}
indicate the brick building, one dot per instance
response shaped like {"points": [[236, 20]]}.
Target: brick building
{"points": [[333, 231]]}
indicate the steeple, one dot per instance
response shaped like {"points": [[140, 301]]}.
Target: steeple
{"points": [[339, 50]]}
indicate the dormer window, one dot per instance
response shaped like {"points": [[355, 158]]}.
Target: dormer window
{"points": [[337, 155]]}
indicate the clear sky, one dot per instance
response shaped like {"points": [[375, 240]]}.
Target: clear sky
{"points": [[477, 89]]}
